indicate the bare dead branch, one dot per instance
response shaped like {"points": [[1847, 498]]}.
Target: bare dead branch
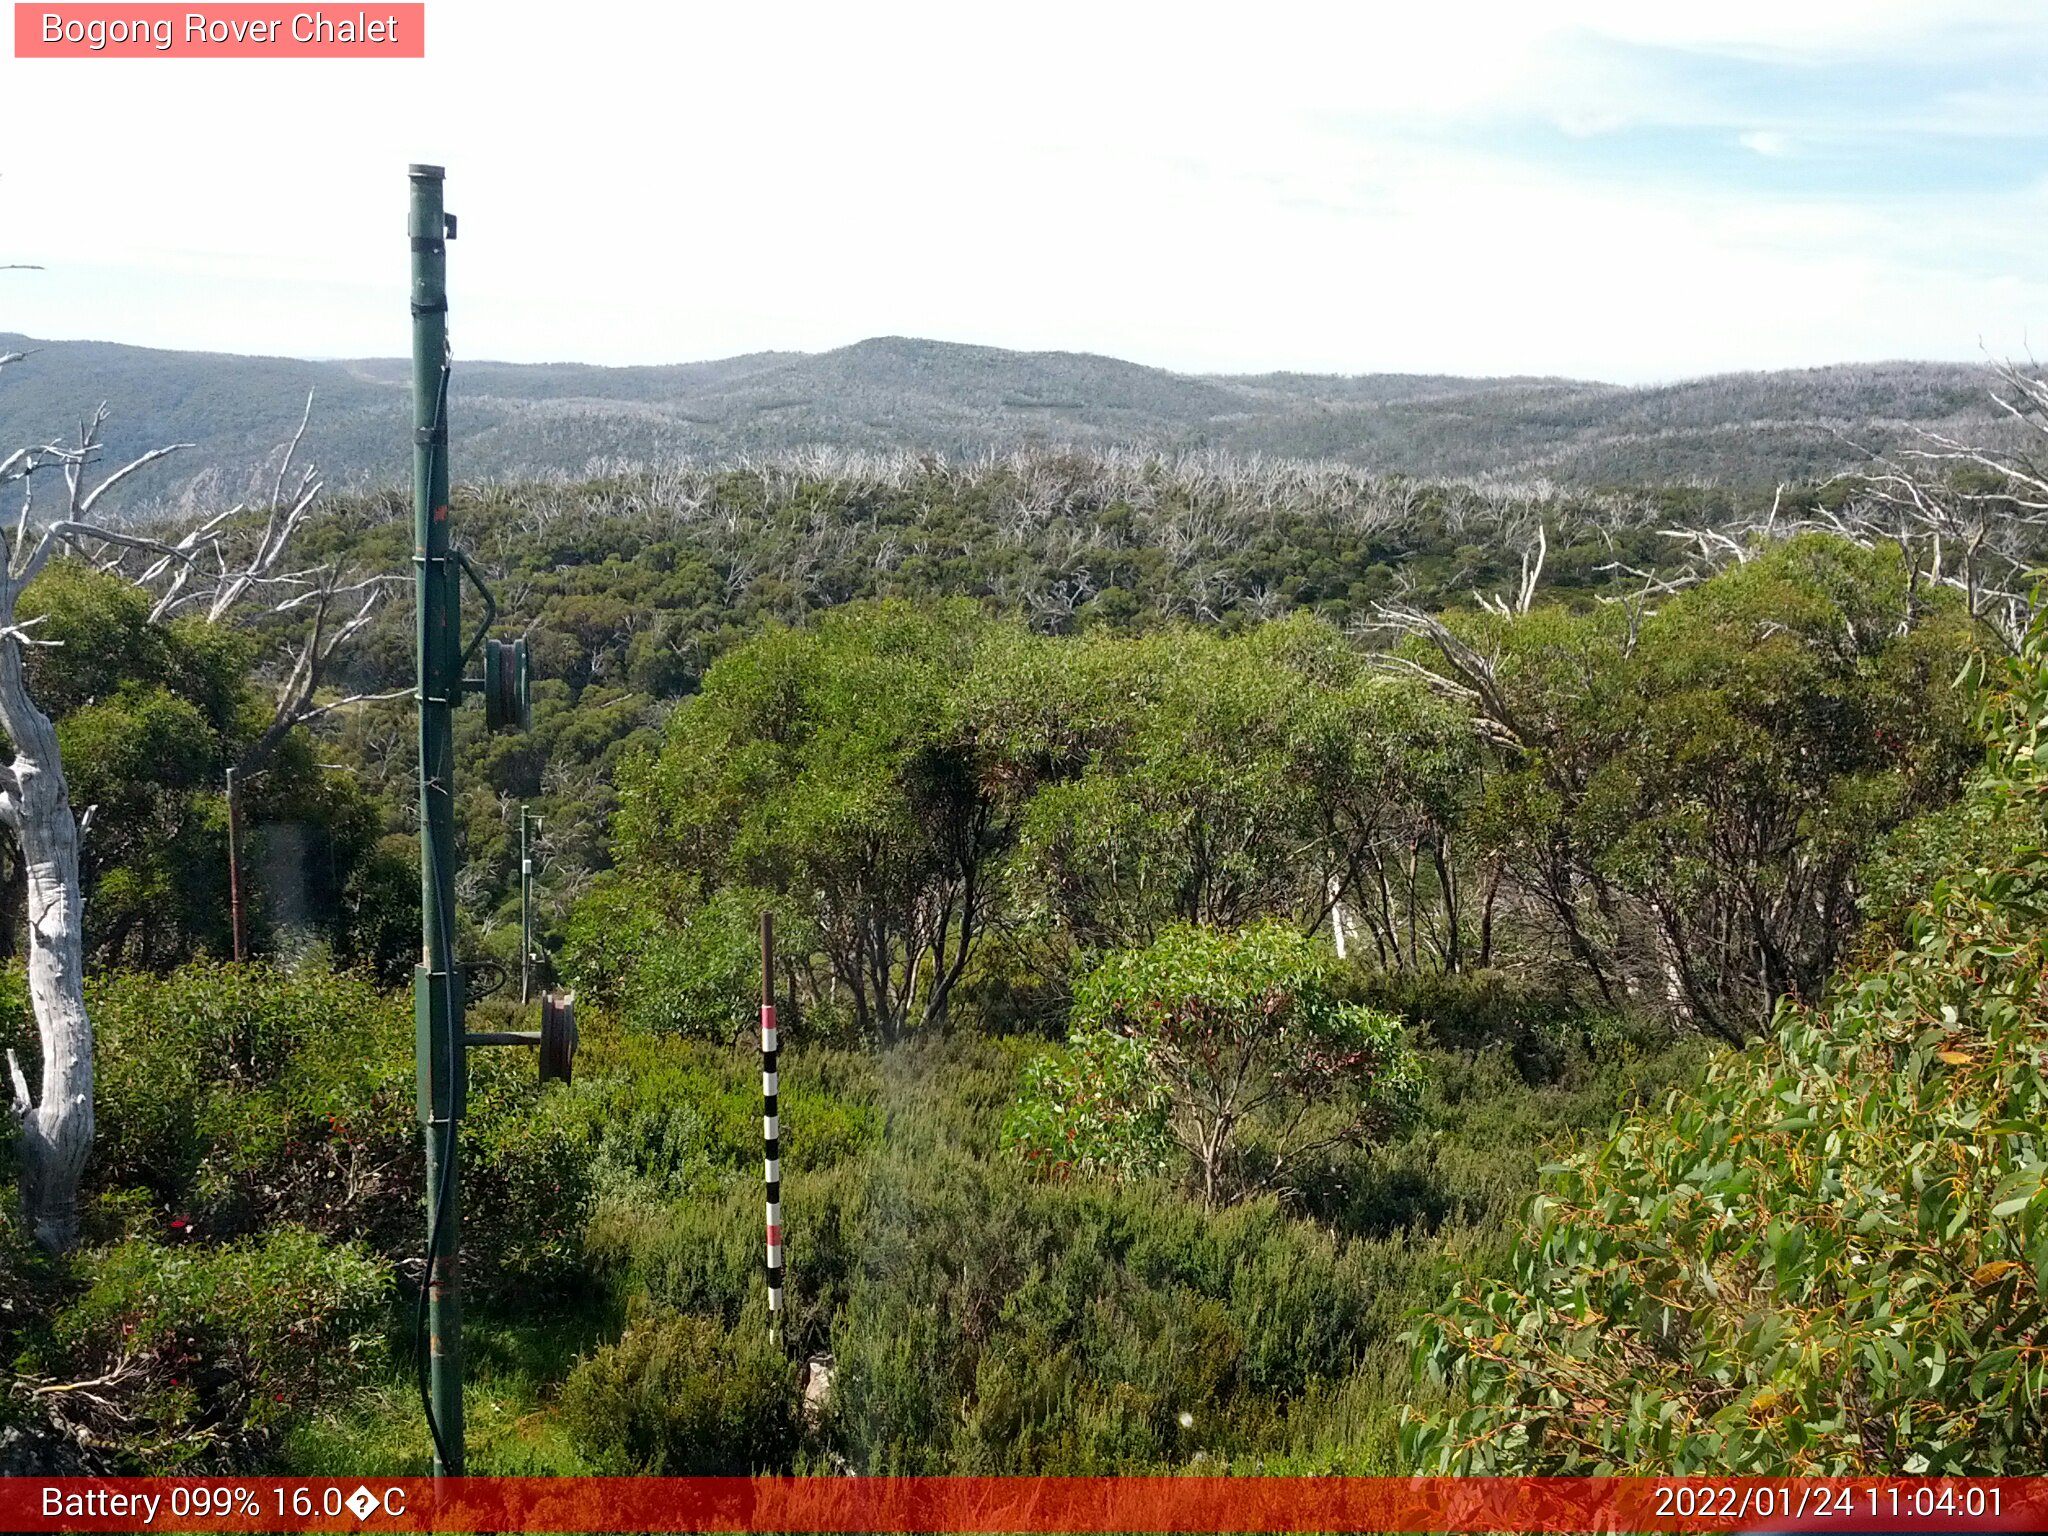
{"points": [[84, 508], [317, 710]]}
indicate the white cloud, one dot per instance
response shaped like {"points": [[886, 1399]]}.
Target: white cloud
{"points": [[645, 184], [1765, 142], [1589, 122], [1839, 28]]}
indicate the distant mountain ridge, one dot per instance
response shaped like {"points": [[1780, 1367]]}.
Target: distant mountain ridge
{"points": [[900, 394]]}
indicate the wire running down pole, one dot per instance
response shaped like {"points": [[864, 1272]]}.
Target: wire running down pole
{"points": [[771, 1127], [235, 866]]}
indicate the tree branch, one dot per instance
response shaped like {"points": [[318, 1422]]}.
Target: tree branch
{"points": [[84, 508], [23, 1105]]}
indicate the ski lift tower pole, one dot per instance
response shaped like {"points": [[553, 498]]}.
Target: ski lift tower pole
{"points": [[437, 984], [443, 656]]}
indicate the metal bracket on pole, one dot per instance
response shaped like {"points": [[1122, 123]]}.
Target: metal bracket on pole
{"points": [[556, 1037], [476, 580]]}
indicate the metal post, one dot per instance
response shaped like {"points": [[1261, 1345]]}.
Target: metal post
{"points": [[771, 1128], [525, 912], [235, 866], [437, 986]]}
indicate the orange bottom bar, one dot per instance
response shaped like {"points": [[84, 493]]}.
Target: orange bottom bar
{"points": [[1025, 1504]]}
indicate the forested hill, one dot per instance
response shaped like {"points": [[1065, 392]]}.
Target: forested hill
{"points": [[892, 393]]}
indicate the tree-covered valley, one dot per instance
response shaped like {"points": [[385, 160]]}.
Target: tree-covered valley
{"points": [[1282, 968], [903, 395]]}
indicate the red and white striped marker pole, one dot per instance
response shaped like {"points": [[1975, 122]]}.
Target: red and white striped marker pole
{"points": [[771, 1127]]}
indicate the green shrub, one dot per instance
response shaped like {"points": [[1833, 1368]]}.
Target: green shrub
{"points": [[985, 1319], [1095, 1107], [956, 1290], [1831, 1258], [29, 1281], [664, 960], [293, 1102], [1232, 1047], [1017, 983], [528, 1179], [196, 1356], [686, 1397], [1075, 1323], [1548, 1032], [1975, 833], [246, 1096], [680, 1117], [1470, 1159], [1470, 1010]]}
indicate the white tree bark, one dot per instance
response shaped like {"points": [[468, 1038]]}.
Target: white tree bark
{"points": [[57, 1120], [57, 1124]]}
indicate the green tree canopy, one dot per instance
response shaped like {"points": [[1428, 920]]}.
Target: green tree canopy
{"points": [[1831, 1258], [149, 716], [1231, 1046], [827, 768], [1690, 795]]}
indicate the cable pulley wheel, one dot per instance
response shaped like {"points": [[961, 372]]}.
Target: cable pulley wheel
{"points": [[508, 704], [557, 1036]]}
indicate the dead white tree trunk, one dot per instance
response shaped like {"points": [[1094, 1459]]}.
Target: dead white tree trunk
{"points": [[57, 1120], [56, 1124]]}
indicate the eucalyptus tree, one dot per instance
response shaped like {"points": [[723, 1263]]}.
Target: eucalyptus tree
{"points": [[1762, 1274], [1687, 795], [821, 767], [224, 577], [56, 1122], [1182, 801]]}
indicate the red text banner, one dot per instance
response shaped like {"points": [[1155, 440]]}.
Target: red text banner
{"points": [[230, 31], [1025, 1504]]}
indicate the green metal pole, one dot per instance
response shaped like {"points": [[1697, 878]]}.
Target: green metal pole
{"points": [[437, 986]]}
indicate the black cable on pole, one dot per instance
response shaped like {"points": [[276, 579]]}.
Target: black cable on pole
{"points": [[421, 1353]]}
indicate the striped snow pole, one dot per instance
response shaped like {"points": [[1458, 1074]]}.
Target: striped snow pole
{"points": [[771, 1128]]}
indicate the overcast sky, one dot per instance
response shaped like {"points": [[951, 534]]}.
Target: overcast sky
{"points": [[1619, 189]]}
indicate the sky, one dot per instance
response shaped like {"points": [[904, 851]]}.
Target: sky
{"points": [[1631, 190]]}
